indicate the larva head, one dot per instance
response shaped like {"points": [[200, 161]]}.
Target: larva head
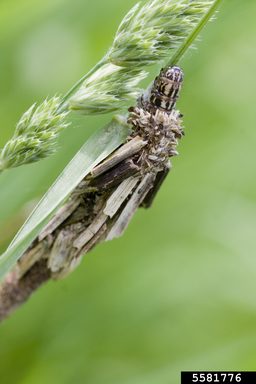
{"points": [[174, 74]]}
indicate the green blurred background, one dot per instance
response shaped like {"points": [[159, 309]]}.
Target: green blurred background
{"points": [[178, 290]]}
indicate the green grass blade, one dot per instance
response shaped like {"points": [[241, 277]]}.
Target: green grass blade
{"points": [[98, 147]]}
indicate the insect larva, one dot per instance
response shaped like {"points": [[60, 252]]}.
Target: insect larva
{"points": [[166, 91]]}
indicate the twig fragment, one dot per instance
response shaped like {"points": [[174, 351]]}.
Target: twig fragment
{"points": [[104, 202], [63, 213], [14, 291], [127, 150], [131, 207]]}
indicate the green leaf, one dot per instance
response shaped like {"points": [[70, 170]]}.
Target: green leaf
{"points": [[97, 148]]}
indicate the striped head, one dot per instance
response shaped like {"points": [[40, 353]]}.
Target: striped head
{"points": [[167, 87]]}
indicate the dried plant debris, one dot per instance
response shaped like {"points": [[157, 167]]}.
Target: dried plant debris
{"points": [[104, 202]]}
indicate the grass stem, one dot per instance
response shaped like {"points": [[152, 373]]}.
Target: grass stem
{"points": [[63, 104], [194, 33]]}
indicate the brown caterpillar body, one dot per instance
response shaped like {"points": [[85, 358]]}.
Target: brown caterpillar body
{"points": [[167, 88]]}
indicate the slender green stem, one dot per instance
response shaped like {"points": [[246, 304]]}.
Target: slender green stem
{"points": [[175, 58], [187, 42], [63, 105]]}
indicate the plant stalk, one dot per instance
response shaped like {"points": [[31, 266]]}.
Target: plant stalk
{"points": [[14, 291], [63, 105], [194, 33]]}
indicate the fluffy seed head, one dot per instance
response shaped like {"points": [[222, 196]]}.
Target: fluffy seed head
{"points": [[107, 90], [35, 135], [150, 33], [147, 35]]}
